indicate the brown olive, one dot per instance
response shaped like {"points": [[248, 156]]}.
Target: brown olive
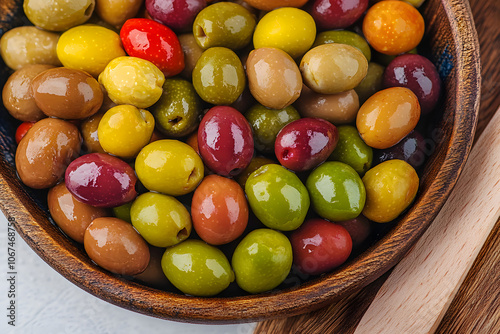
{"points": [[45, 151], [89, 133], [71, 215], [273, 77], [153, 275], [67, 93], [340, 108], [23, 46], [17, 96], [192, 52], [116, 246]]}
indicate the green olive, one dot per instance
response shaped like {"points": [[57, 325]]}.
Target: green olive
{"points": [[262, 260], [197, 268], [224, 24], [219, 77]]}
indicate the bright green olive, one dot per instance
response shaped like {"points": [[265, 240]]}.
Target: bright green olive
{"points": [[277, 197], [197, 268], [262, 260]]}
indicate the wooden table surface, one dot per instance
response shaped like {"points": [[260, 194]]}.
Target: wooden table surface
{"points": [[476, 306]]}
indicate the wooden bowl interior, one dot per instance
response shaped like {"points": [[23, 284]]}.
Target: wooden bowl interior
{"points": [[453, 48]]}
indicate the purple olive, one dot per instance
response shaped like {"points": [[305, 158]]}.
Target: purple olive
{"points": [[337, 14], [305, 143], [176, 14], [101, 180], [225, 141], [411, 149], [418, 74]]}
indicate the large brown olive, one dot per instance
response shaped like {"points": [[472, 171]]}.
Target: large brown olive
{"points": [[67, 93], [116, 246], [17, 96], [273, 77], [340, 108], [45, 151], [71, 215]]}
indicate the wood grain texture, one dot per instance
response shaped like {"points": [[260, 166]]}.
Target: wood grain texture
{"points": [[453, 42], [418, 292]]}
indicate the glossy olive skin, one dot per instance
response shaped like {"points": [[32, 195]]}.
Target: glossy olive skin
{"points": [[17, 95], [88, 129], [273, 77], [179, 109], [218, 76], [89, 48], [266, 123], [116, 12], [101, 180], [337, 14], [160, 219], [28, 45], [390, 188], [132, 80], [219, 210], [344, 37], [411, 149], [277, 197], [175, 14], [67, 93], [290, 29], [197, 268], [388, 116], [320, 246], [262, 260], [42, 13], [333, 68], [340, 108], [225, 140], [71, 215], [418, 74], [352, 150], [337, 192], [124, 130], [305, 143], [41, 166], [224, 24], [115, 246], [170, 167]]}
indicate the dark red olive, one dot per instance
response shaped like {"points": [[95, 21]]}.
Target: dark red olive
{"points": [[101, 180], [225, 141], [305, 143], [418, 74], [337, 14], [411, 149]]}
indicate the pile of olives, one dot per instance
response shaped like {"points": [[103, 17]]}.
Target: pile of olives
{"points": [[190, 144]]}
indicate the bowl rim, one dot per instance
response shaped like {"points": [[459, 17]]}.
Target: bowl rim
{"points": [[64, 257]]}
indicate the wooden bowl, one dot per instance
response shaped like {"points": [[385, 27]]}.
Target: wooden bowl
{"points": [[454, 49]]}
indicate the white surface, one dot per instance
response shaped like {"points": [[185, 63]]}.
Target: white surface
{"points": [[48, 303]]}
